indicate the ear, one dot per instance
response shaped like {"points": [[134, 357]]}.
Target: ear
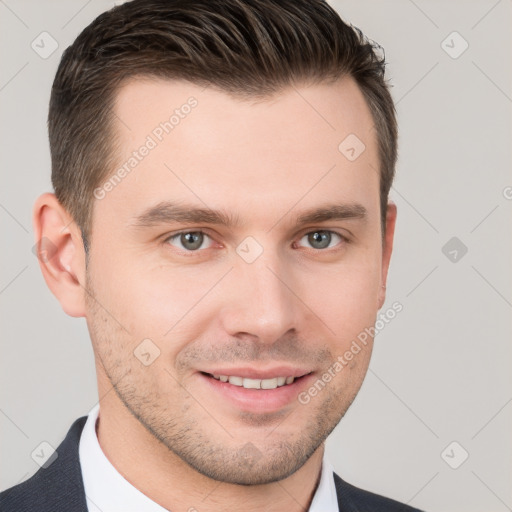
{"points": [[387, 249], [61, 253]]}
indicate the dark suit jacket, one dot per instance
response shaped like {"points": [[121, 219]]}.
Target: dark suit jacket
{"points": [[59, 487]]}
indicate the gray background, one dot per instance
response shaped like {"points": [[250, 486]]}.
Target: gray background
{"points": [[441, 369]]}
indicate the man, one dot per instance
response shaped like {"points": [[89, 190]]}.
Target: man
{"points": [[221, 220]]}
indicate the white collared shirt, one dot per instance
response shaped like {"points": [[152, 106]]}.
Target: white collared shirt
{"points": [[106, 490]]}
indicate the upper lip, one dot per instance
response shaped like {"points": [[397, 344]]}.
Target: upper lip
{"points": [[259, 373]]}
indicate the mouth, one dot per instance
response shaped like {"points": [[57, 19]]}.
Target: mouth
{"points": [[256, 392], [248, 383]]}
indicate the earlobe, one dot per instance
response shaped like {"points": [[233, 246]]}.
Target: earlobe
{"points": [[60, 252], [387, 249]]}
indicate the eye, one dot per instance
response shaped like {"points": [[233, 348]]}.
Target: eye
{"points": [[322, 239], [188, 240]]}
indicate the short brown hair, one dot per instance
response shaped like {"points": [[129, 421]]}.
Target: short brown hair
{"points": [[248, 48]]}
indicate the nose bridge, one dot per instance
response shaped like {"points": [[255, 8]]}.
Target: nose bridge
{"points": [[261, 304]]}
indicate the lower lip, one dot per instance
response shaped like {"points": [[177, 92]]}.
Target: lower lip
{"points": [[258, 400]]}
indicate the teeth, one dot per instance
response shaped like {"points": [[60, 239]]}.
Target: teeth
{"points": [[251, 383], [236, 381], [273, 383], [269, 383]]}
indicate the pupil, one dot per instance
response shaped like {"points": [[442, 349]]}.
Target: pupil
{"points": [[320, 238], [193, 240]]}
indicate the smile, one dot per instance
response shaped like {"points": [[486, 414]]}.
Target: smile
{"points": [[259, 391], [272, 383]]}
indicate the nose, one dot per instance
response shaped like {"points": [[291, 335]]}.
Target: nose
{"points": [[260, 300]]}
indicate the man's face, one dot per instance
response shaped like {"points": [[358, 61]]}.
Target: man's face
{"points": [[175, 302]]}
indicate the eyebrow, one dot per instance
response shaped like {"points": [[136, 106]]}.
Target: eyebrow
{"points": [[167, 212]]}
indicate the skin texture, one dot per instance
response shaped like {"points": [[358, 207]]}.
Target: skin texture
{"points": [[264, 163]]}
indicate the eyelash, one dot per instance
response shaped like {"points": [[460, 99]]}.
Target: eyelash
{"points": [[344, 240]]}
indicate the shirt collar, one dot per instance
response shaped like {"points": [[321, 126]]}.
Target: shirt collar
{"points": [[106, 490]]}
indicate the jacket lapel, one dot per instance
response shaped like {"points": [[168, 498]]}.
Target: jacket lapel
{"points": [[58, 487]]}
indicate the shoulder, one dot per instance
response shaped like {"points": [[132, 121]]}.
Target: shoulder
{"points": [[354, 499], [58, 486]]}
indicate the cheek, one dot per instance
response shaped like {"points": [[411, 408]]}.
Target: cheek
{"points": [[348, 298], [170, 298], [156, 303]]}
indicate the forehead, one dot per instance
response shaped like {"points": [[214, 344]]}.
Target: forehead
{"points": [[332, 110], [177, 140]]}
